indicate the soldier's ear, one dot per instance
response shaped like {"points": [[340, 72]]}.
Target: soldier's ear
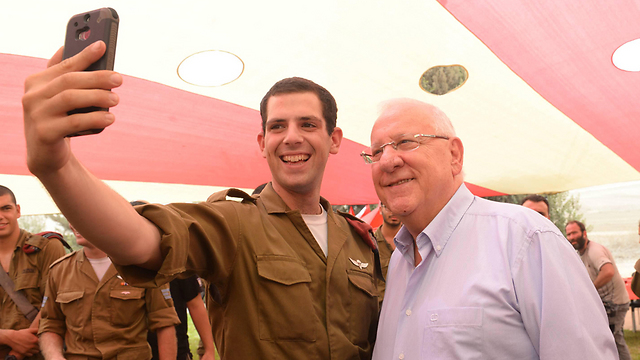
{"points": [[336, 140], [260, 139]]}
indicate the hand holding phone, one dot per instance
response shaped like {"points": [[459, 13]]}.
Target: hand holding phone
{"points": [[83, 30]]}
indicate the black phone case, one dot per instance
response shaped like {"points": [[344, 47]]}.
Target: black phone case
{"points": [[102, 24]]}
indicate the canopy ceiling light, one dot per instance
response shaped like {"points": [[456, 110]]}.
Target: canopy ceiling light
{"points": [[210, 68], [443, 79], [627, 56]]}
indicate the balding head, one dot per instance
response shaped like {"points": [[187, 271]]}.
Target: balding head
{"points": [[416, 183], [438, 119]]}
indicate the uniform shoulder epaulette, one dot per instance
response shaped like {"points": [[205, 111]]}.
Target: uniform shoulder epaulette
{"points": [[231, 193], [362, 228], [37, 242], [54, 235], [62, 258]]}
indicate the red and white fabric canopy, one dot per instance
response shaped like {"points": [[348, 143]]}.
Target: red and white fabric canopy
{"points": [[543, 110]]}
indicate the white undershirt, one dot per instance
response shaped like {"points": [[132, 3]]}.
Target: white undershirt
{"points": [[318, 226], [100, 266]]}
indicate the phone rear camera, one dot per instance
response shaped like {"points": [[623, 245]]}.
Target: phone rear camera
{"points": [[83, 34], [87, 17]]}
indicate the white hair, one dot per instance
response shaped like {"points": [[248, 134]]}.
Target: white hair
{"points": [[440, 121]]}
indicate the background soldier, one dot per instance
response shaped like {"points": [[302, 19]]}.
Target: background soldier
{"points": [[26, 259], [99, 315]]}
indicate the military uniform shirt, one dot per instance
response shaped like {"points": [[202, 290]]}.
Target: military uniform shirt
{"points": [[102, 319], [29, 274], [277, 296], [385, 252]]}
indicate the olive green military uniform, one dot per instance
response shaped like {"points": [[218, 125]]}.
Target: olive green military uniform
{"points": [[104, 319], [29, 274], [277, 296], [385, 251]]}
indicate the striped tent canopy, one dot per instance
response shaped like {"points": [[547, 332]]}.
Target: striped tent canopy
{"points": [[544, 109]]}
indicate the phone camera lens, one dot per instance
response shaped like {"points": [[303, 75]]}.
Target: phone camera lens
{"points": [[75, 23], [86, 18]]}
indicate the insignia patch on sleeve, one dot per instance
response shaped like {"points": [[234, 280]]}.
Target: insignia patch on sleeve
{"points": [[166, 293]]}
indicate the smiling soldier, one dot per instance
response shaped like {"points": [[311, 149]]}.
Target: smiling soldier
{"points": [[281, 263]]}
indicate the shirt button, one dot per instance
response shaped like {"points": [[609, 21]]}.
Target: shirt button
{"points": [[401, 356], [408, 312], [438, 248]]}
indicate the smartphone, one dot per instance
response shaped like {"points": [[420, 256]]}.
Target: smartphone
{"points": [[85, 29]]}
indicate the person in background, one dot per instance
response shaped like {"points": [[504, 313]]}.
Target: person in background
{"points": [[604, 274], [90, 312], [186, 295], [471, 278], [537, 203], [25, 259], [384, 235]]}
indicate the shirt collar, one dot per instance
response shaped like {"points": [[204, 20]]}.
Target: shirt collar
{"points": [[22, 238], [274, 204], [438, 232]]}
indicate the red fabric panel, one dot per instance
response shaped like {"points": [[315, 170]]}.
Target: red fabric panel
{"points": [[374, 218], [482, 191], [167, 135], [563, 50]]}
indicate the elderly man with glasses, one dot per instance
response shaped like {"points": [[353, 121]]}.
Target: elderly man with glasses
{"points": [[471, 278]]}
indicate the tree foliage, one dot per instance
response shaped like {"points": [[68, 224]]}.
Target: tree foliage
{"points": [[440, 80], [563, 207], [49, 222]]}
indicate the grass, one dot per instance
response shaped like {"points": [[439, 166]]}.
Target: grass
{"points": [[633, 342]]}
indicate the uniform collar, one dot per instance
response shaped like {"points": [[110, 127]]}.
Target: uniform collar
{"points": [[381, 240], [274, 204], [439, 231], [87, 268], [26, 237], [81, 256]]}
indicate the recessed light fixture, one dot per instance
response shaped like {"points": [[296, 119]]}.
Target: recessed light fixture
{"points": [[442, 79], [627, 56], [210, 68]]}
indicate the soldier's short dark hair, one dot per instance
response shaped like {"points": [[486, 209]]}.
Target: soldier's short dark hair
{"points": [[536, 198], [299, 85], [5, 190]]}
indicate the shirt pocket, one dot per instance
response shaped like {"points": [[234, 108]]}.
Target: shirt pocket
{"points": [[363, 306], [453, 333], [29, 283], [126, 304], [71, 305], [285, 304]]}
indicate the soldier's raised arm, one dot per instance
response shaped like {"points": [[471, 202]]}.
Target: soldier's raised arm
{"points": [[101, 214]]}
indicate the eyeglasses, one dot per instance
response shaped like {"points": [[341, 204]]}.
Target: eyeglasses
{"points": [[403, 145]]}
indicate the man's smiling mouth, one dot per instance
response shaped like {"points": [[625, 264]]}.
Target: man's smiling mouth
{"points": [[403, 181], [294, 158]]}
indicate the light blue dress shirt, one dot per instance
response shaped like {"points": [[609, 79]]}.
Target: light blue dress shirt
{"points": [[497, 281]]}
